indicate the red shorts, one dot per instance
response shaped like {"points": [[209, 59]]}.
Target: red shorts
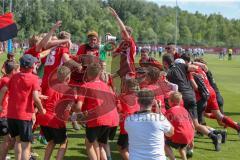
{"points": [[212, 103]]}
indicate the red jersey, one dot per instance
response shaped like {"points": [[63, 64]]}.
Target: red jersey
{"points": [[49, 119], [54, 59], [182, 123], [159, 95], [97, 94], [20, 102], [85, 49], [128, 106], [176, 55], [32, 51], [127, 50], [4, 82]]}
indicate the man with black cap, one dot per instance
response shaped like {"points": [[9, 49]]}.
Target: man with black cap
{"points": [[23, 90]]}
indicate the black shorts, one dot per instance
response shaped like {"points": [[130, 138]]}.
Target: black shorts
{"points": [[175, 145], [100, 133], [191, 107], [3, 127], [57, 135], [21, 128], [112, 132], [123, 141]]}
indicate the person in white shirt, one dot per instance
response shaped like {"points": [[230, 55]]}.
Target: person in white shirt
{"points": [[146, 130]]}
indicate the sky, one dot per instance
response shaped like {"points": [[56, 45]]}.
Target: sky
{"points": [[228, 8]]}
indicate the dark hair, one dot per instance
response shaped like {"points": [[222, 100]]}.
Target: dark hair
{"points": [[168, 58], [145, 97], [93, 70], [153, 73], [9, 66], [186, 57], [170, 43], [131, 83]]}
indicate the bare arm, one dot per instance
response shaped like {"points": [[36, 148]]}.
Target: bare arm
{"points": [[192, 68], [120, 24], [54, 43], [2, 94], [203, 66], [38, 102], [43, 43], [65, 57], [194, 84], [170, 132]]}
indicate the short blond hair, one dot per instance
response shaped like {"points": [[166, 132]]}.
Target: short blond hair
{"points": [[175, 97], [63, 73]]}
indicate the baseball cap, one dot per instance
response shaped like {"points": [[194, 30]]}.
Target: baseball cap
{"points": [[92, 34], [27, 61], [179, 60]]}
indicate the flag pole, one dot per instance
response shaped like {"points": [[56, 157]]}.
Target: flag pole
{"points": [[176, 24], [10, 43]]}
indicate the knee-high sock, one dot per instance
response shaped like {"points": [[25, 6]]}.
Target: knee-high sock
{"points": [[230, 123]]}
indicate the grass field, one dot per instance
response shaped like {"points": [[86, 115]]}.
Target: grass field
{"points": [[227, 76]]}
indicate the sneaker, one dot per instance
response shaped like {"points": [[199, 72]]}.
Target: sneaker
{"points": [[223, 134], [217, 142], [75, 125], [238, 130], [189, 153], [8, 157], [43, 140]]}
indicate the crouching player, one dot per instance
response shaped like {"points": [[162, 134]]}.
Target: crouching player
{"points": [[183, 127], [10, 68], [53, 128], [23, 90]]}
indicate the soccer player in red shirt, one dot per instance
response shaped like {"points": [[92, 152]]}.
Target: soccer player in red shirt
{"points": [[146, 61], [53, 128], [23, 90], [151, 83], [126, 50], [100, 116], [10, 69], [92, 47], [179, 117], [212, 105], [56, 57], [38, 44], [128, 105]]}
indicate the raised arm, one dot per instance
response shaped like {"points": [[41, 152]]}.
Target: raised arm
{"points": [[43, 43], [126, 36]]}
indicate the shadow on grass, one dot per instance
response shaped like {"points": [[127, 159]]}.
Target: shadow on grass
{"points": [[232, 113], [206, 149]]}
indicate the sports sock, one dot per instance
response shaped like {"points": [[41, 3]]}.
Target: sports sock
{"points": [[229, 122]]}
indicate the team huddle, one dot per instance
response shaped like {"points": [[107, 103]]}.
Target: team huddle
{"points": [[160, 105]]}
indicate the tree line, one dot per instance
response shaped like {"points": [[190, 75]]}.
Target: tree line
{"points": [[151, 23]]}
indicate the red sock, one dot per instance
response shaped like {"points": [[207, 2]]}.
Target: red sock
{"points": [[211, 116], [229, 122]]}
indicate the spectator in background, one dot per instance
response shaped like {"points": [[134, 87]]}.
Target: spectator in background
{"points": [[230, 52]]}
